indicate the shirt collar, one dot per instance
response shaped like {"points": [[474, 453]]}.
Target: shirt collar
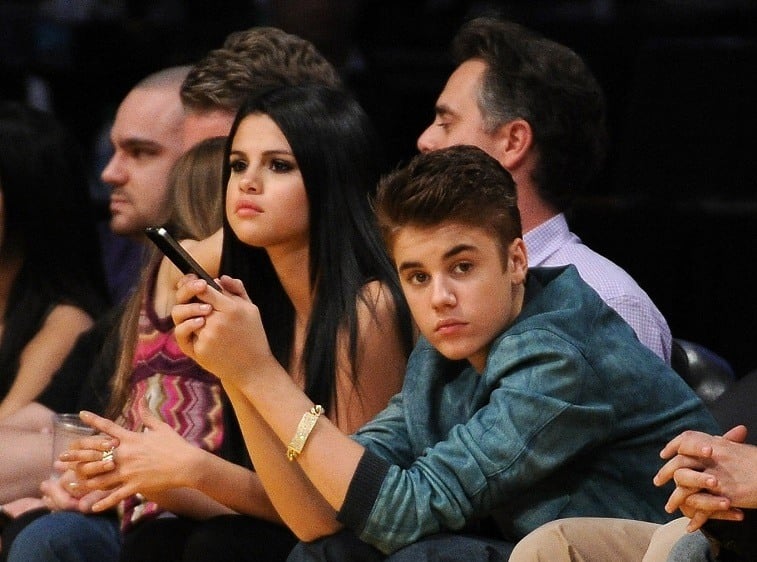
{"points": [[546, 239]]}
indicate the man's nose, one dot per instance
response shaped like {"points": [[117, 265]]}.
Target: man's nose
{"points": [[426, 141]]}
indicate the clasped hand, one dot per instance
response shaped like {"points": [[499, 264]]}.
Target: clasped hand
{"points": [[222, 332], [708, 474], [145, 462]]}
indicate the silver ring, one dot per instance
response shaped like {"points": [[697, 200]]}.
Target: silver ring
{"points": [[109, 455]]}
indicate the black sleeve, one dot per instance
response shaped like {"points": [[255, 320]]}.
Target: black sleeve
{"points": [[363, 490]]}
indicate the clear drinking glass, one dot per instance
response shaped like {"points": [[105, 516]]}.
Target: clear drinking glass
{"points": [[66, 429]]}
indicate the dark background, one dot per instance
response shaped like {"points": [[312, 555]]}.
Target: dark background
{"points": [[676, 204]]}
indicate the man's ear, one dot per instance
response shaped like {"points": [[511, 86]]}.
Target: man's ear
{"points": [[514, 140], [517, 261]]}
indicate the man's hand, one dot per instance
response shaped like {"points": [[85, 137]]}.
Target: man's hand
{"points": [[714, 475]]}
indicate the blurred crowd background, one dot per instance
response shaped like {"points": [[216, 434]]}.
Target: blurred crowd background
{"points": [[676, 204]]}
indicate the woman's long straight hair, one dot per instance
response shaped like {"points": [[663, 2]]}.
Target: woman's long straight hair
{"points": [[337, 151]]}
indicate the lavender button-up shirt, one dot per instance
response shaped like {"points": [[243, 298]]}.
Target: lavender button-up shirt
{"points": [[553, 244]]}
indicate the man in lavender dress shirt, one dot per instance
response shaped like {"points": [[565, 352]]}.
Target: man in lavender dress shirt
{"points": [[535, 106]]}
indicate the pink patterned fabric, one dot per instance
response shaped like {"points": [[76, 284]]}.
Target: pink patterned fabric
{"points": [[176, 389]]}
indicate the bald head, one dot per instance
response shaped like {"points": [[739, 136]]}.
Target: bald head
{"points": [[172, 77]]}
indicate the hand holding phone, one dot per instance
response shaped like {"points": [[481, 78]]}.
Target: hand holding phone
{"points": [[178, 255]]}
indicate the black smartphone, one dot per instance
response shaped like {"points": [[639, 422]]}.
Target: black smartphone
{"points": [[177, 254]]}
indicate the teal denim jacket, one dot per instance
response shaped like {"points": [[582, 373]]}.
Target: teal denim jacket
{"points": [[567, 419]]}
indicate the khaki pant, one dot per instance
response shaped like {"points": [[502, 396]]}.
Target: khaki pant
{"points": [[595, 539]]}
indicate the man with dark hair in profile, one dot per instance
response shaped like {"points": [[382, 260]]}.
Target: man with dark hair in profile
{"points": [[535, 106]]}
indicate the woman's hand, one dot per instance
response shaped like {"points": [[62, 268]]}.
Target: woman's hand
{"points": [[93, 450], [147, 462], [223, 332], [66, 494]]}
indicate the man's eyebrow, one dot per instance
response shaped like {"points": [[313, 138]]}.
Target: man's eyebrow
{"points": [[409, 265], [452, 252], [457, 250], [442, 110], [136, 142]]}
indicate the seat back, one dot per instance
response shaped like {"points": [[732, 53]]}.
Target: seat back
{"points": [[736, 406], [706, 372]]}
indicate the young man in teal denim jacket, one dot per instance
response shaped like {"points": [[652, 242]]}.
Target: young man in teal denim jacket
{"points": [[525, 400]]}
